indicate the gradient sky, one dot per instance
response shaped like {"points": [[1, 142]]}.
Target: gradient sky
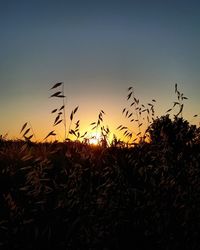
{"points": [[96, 48]]}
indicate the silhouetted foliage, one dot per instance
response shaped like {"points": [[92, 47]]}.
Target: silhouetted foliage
{"points": [[177, 132]]}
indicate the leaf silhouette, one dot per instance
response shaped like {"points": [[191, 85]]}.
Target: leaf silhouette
{"points": [[53, 111], [57, 85], [129, 95], [23, 127], [125, 132], [132, 103], [29, 137], [56, 94], [175, 87], [26, 132], [72, 115], [57, 118], [99, 120], [72, 132], [123, 128], [62, 107], [83, 134], [57, 122], [61, 96], [49, 134], [179, 94], [181, 109], [176, 103], [77, 123], [76, 109]]}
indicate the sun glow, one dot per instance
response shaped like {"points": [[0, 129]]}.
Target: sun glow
{"points": [[94, 138]]}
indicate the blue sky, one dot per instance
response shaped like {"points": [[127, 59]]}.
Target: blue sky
{"points": [[97, 48]]}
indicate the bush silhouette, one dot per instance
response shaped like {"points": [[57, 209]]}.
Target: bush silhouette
{"points": [[177, 132]]}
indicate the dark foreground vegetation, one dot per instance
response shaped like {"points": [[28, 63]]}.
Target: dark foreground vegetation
{"points": [[76, 196]]}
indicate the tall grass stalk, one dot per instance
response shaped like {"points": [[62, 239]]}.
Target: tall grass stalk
{"points": [[64, 113]]}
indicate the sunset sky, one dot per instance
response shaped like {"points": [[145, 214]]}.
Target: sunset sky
{"points": [[98, 49]]}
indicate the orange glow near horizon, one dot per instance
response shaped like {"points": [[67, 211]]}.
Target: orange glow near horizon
{"points": [[94, 138], [41, 120]]}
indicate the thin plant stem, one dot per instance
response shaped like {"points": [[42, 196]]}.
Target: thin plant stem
{"points": [[69, 128], [64, 114]]}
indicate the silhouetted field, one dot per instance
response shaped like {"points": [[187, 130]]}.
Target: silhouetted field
{"points": [[76, 196]]}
